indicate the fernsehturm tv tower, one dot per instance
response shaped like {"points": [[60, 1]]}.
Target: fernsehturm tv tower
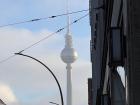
{"points": [[68, 55]]}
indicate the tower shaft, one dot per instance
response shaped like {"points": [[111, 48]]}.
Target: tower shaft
{"points": [[69, 85], [68, 56]]}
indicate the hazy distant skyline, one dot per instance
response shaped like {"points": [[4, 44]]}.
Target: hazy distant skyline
{"points": [[23, 81]]}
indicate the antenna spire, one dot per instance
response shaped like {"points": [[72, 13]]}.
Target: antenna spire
{"points": [[68, 18], [68, 56]]}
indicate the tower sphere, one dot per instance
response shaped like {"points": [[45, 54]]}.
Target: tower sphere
{"points": [[69, 55]]}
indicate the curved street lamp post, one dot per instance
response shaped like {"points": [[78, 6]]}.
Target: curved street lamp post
{"points": [[61, 94]]}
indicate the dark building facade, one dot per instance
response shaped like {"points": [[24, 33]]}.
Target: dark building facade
{"points": [[133, 51], [90, 96], [115, 41]]}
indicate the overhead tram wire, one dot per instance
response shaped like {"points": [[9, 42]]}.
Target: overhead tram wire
{"points": [[59, 30], [4, 60], [38, 19]]}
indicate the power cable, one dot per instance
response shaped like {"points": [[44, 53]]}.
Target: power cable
{"points": [[38, 19], [59, 30], [4, 60]]}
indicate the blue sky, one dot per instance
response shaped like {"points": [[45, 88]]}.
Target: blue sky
{"points": [[29, 9], [24, 82]]}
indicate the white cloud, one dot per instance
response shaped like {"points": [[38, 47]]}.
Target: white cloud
{"points": [[31, 84], [6, 94]]}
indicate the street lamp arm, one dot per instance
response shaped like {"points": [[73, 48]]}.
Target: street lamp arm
{"points": [[54, 103], [61, 94]]}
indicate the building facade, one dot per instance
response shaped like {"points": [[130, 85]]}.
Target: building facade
{"points": [[90, 96], [133, 51], [115, 41]]}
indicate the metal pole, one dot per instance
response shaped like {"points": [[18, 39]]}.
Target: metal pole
{"points": [[61, 94]]}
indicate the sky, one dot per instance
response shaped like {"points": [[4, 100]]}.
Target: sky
{"points": [[24, 81]]}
